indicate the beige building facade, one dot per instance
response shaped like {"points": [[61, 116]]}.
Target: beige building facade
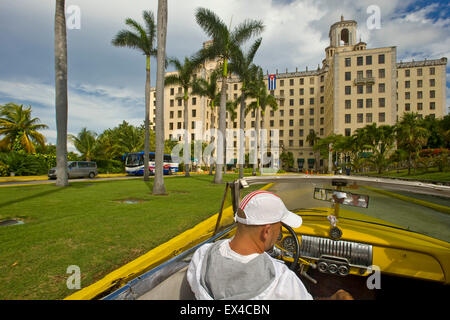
{"points": [[354, 86]]}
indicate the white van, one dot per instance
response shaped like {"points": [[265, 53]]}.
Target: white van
{"points": [[78, 169]]}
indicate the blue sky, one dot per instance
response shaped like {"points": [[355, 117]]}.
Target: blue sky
{"points": [[106, 84]]}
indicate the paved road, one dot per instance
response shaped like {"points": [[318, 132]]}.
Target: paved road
{"points": [[22, 183], [408, 215]]}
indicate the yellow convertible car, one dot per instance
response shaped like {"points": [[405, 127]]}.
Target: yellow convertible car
{"points": [[374, 238]]}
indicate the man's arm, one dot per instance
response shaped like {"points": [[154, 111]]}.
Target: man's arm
{"points": [[338, 295]]}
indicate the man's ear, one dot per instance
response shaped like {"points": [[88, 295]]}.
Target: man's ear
{"points": [[265, 232]]}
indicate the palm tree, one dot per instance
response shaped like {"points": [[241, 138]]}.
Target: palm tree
{"points": [[184, 78], [86, 143], [411, 136], [19, 129], [143, 39], [224, 43], [209, 89], [61, 104], [158, 182], [312, 139], [242, 65], [257, 89]]}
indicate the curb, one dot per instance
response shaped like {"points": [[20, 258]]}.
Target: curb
{"points": [[424, 203]]}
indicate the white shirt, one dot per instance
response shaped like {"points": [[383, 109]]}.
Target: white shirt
{"points": [[285, 286]]}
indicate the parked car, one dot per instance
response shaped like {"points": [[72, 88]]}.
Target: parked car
{"points": [[78, 169]]}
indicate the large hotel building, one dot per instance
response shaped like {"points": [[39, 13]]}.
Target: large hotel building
{"points": [[355, 86]]}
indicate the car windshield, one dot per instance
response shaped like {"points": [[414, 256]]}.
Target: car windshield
{"points": [[416, 212]]}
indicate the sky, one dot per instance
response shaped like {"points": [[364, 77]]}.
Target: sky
{"points": [[106, 83]]}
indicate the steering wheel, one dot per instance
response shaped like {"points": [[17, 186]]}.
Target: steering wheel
{"points": [[297, 247]]}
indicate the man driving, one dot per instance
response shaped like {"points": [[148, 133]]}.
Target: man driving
{"points": [[239, 268]]}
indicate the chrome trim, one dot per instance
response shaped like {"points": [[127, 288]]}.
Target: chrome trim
{"points": [[357, 254]]}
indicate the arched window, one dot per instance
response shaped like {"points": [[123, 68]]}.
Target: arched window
{"points": [[345, 36]]}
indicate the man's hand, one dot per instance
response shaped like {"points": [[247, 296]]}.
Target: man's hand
{"points": [[341, 295]]}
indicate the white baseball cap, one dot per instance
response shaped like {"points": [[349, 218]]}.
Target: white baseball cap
{"points": [[264, 207]]}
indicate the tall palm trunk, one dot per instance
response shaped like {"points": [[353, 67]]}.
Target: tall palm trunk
{"points": [[242, 137], [255, 164], [158, 184], [222, 127], [212, 138], [262, 146], [61, 104], [147, 120], [187, 147]]}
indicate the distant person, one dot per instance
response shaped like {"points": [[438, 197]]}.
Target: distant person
{"points": [[240, 268]]}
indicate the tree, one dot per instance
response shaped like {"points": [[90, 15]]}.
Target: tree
{"points": [[224, 43], [86, 143], [312, 139], [242, 65], [20, 131], [143, 40], [257, 89], [61, 104], [184, 78], [411, 136], [209, 89], [158, 183]]}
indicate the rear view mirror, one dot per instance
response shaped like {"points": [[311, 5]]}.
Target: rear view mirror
{"points": [[342, 197]]}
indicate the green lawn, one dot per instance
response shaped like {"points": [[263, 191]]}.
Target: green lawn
{"points": [[431, 174], [84, 225]]}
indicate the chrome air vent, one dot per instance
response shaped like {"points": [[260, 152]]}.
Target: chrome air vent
{"points": [[357, 254]]}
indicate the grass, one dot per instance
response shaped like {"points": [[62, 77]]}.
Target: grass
{"points": [[421, 174], [85, 225]]}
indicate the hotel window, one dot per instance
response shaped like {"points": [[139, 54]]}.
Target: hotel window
{"points": [[281, 123], [193, 125], [348, 104], [311, 90], [407, 73], [359, 61], [302, 81], [281, 83], [170, 126], [321, 131], [311, 122], [360, 118], [291, 112], [194, 113], [291, 92], [322, 99], [368, 73], [368, 117], [271, 123], [348, 76], [360, 89], [291, 102], [179, 102], [368, 60], [407, 95], [171, 102], [311, 80], [291, 82], [272, 113], [432, 105], [311, 100], [180, 114], [348, 118], [359, 74], [368, 103], [381, 117], [171, 114], [432, 82], [432, 94], [282, 103], [302, 91], [291, 143], [281, 133], [419, 72], [348, 90], [301, 122], [322, 89], [300, 143], [420, 106], [381, 73], [407, 107], [179, 125], [432, 71], [407, 84], [381, 58], [348, 132], [419, 95], [360, 103], [322, 110], [322, 78], [369, 88], [322, 120], [291, 133], [311, 111], [172, 91], [381, 102], [300, 133], [291, 122], [281, 113], [381, 88], [348, 62], [419, 83]]}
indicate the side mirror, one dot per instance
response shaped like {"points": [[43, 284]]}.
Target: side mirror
{"points": [[342, 197]]}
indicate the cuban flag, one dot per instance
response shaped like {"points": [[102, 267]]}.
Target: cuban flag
{"points": [[272, 82]]}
